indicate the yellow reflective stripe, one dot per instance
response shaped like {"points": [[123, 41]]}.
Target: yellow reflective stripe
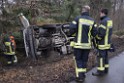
{"points": [[79, 32], [74, 34], [74, 22], [9, 62], [104, 46], [106, 65], [98, 37], [86, 22], [102, 26], [101, 68], [9, 53], [81, 70], [109, 23], [75, 66], [89, 35], [10, 47], [106, 37], [101, 62], [72, 43], [82, 45]]}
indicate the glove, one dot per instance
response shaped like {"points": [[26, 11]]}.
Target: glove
{"points": [[112, 48]]}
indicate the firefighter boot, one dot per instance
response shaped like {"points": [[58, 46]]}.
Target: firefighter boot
{"points": [[15, 60], [77, 79], [80, 79], [98, 73], [106, 70]]}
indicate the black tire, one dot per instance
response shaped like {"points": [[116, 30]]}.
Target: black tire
{"points": [[47, 26]]}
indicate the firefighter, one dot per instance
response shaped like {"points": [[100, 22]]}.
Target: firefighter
{"points": [[84, 29], [9, 51], [104, 42]]}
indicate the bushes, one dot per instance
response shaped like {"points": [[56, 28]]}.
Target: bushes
{"points": [[18, 36], [19, 39], [40, 21]]}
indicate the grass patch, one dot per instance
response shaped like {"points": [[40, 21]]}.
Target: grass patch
{"points": [[119, 33]]}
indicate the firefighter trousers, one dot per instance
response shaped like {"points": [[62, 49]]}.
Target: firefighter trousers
{"points": [[103, 62], [81, 58], [11, 59]]}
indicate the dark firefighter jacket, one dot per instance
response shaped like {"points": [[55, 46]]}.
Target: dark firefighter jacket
{"points": [[104, 33], [84, 29]]}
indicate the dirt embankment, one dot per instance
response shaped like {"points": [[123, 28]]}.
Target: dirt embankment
{"points": [[46, 71]]}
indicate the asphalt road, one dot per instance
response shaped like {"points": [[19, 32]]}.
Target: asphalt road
{"points": [[115, 75]]}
